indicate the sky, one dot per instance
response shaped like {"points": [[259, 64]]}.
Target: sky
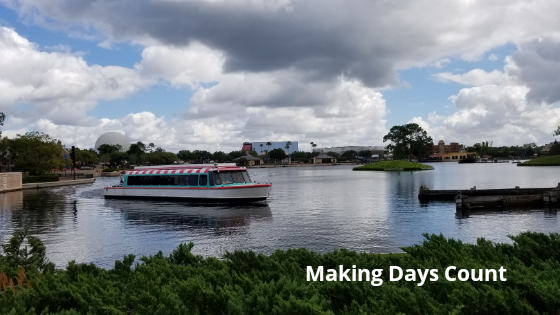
{"points": [[212, 74]]}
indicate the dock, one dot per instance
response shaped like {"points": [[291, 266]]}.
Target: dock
{"points": [[473, 198]]}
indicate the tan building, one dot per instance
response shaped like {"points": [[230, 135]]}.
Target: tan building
{"points": [[443, 148], [452, 152], [323, 158]]}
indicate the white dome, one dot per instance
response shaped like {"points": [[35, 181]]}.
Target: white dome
{"points": [[113, 138]]}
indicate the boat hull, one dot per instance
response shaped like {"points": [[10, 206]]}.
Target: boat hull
{"points": [[241, 193]]}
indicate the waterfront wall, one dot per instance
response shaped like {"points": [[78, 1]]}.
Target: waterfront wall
{"points": [[10, 181]]}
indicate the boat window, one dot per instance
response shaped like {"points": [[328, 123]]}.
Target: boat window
{"points": [[193, 180], [246, 176], [184, 180], [203, 179], [217, 179], [155, 180], [237, 177], [147, 181], [211, 179], [174, 180], [225, 178]]}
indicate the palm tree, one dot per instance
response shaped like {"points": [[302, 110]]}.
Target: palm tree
{"points": [[268, 144], [261, 145], [288, 144]]}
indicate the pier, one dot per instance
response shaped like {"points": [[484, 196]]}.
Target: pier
{"points": [[472, 198]]}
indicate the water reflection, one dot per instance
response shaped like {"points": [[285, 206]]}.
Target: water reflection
{"points": [[221, 219]]}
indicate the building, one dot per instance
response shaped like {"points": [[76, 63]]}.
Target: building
{"points": [[323, 158], [249, 160], [545, 150], [113, 138], [379, 150], [261, 147], [452, 152], [442, 148]]}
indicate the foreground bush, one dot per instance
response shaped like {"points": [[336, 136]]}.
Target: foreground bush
{"points": [[40, 179], [247, 283]]}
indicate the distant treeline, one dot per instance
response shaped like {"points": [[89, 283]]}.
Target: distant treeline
{"points": [[244, 282]]}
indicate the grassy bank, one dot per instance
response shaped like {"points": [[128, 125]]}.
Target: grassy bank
{"points": [[394, 166], [247, 283], [553, 160]]}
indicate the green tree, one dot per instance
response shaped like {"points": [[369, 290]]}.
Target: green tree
{"points": [[350, 154], [261, 145], [254, 153], [219, 156], [555, 148], [118, 158], [108, 148], [2, 118], [288, 145], [137, 149], [235, 154], [277, 154], [161, 158], [185, 155], [268, 144], [24, 250], [408, 141], [86, 157], [36, 153]]}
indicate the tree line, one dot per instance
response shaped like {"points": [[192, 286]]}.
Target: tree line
{"points": [[411, 141]]}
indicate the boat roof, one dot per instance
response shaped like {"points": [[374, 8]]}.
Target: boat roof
{"points": [[191, 170], [184, 166]]}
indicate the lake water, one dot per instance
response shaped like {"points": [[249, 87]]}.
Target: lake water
{"points": [[319, 208]]}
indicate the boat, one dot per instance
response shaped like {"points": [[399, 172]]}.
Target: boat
{"points": [[194, 182]]}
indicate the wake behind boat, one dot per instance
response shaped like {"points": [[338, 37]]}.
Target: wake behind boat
{"points": [[195, 182]]}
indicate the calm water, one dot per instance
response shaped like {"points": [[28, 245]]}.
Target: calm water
{"points": [[320, 208]]}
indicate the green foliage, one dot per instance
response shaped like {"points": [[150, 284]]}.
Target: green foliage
{"points": [[161, 158], [108, 148], [118, 158], [23, 251], [244, 282], [35, 152], [2, 118], [254, 153], [277, 154], [40, 179], [393, 166], [408, 141]]}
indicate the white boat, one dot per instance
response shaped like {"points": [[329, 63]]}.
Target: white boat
{"points": [[196, 182]]}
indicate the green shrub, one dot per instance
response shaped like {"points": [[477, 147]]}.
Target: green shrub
{"points": [[244, 282], [40, 178]]}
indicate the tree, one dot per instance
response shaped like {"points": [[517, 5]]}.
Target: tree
{"points": [[185, 155], [277, 154], [118, 158], [555, 148], [350, 154], [312, 146], [36, 153], [219, 156], [254, 153], [288, 144], [261, 145], [108, 148], [137, 149], [161, 158], [268, 144], [2, 118], [365, 153], [407, 141], [24, 251]]}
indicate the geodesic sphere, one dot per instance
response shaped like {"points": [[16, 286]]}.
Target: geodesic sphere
{"points": [[113, 138]]}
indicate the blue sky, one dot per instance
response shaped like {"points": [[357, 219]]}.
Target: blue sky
{"points": [[197, 74]]}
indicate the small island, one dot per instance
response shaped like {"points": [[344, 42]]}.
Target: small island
{"points": [[394, 166], [553, 160]]}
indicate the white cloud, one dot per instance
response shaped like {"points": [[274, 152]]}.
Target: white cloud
{"points": [[475, 77], [58, 86], [492, 57]]}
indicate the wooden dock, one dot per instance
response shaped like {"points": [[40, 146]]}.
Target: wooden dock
{"points": [[493, 198]]}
